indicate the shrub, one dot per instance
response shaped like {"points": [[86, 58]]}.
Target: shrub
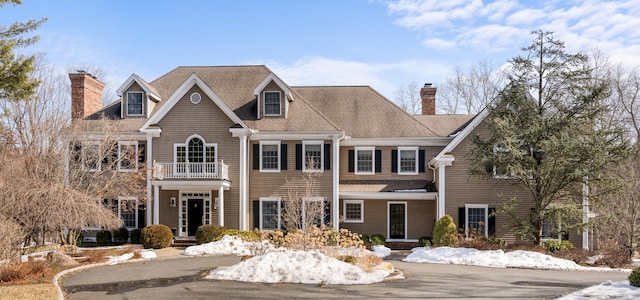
{"points": [[557, 245], [365, 238], [378, 239], [312, 238], [103, 238], [208, 233], [135, 236], [634, 277], [444, 232], [425, 241], [121, 235], [156, 236], [247, 236]]}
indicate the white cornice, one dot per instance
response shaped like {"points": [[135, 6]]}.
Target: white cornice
{"points": [[410, 141], [296, 135], [387, 196]]}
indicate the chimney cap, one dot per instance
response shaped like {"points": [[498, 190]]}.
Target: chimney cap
{"points": [[428, 84], [83, 72]]}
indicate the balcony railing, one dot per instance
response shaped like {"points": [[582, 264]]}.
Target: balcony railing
{"points": [[187, 170]]}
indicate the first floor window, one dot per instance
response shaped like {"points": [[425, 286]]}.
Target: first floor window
{"points": [[269, 214], [353, 211], [408, 160], [128, 211], [91, 156], [477, 219], [313, 211]]}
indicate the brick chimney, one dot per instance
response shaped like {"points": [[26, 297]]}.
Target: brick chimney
{"points": [[86, 94], [428, 95]]}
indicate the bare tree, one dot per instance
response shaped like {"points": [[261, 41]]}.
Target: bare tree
{"points": [[43, 194], [470, 92], [408, 98]]}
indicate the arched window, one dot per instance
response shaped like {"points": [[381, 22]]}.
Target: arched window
{"points": [[195, 151]]}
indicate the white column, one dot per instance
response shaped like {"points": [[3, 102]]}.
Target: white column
{"points": [[156, 204], [149, 173], [441, 193], [335, 205], [221, 206], [244, 183]]}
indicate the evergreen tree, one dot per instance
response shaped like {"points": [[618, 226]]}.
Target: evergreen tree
{"points": [[15, 83], [545, 136]]}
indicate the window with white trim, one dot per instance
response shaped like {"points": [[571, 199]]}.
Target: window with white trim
{"points": [[365, 158], [501, 170], [128, 211], [270, 156], [270, 217], [408, 160], [353, 211], [313, 211], [195, 154], [134, 104], [477, 219], [313, 156], [127, 156], [272, 103], [90, 153]]}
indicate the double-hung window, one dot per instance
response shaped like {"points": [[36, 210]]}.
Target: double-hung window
{"points": [[270, 213], [269, 156], [313, 211], [353, 211], [408, 160], [477, 219], [272, 103], [365, 158], [313, 156], [128, 211], [127, 156], [134, 104], [91, 156]]}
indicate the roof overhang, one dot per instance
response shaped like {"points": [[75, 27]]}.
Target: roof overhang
{"points": [[388, 196], [413, 141]]}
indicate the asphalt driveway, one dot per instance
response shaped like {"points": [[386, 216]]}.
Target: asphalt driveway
{"points": [[180, 277]]}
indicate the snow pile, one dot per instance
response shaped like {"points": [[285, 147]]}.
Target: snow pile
{"points": [[606, 290], [310, 267], [381, 250], [495, 258], [120, 258], [148, 254], [228, 245]]}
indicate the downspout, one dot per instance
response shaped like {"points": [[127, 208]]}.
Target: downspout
{"points": [[149, 174]]}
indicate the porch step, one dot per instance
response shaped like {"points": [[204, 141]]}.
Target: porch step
{"points": [[183, 243]]}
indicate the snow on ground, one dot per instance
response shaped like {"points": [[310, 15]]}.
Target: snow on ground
{"points": [[228, 245], [119, 258], [606, 290], [381, 250], [496, 258], [293, 266]]}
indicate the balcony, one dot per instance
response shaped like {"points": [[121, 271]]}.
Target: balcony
{"points": [[218, 170]]}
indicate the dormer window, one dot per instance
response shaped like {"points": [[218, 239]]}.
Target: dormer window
{"points": [[134, 104], [272, 104]]}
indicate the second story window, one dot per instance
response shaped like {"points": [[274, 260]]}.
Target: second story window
{"points": [[408, 160], [269, 156], [365, 156], [134, 104], [127, 156], [272, 103], [195, 156], [312, 156]]}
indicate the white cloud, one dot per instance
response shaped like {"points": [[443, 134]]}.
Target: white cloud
{"points": [[439, 44]]}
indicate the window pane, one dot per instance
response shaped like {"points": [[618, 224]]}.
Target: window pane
{"points": [[134, 103], [269, 157], [128, 156], [313, 157], [271, 103], [210, 154], [365, 161], [476, 218], [407, 160], [269, 214], [91, 156], [353, 211], [128, 213]]}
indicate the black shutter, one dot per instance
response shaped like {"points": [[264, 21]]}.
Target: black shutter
{"points": [[283, 212], [461, 219], [421, 161], [327, 156], [256, 156], [394, 161], [283, 156], [256, 214], [142, 153], [488, 168], [378, 161], [77, 148], [492, 222], [327, 212], [351, 161], [299, 157], [142, 216]]}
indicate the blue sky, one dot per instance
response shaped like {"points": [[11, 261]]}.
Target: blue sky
{"points": [[384, 44]]}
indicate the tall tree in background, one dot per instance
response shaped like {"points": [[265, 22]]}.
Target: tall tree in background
{"points": [[15, 83], [470, 92], [408, 98], [546, 136]]}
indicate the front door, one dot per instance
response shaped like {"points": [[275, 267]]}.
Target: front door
{"points": [[397, 221], [195, 211]]}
